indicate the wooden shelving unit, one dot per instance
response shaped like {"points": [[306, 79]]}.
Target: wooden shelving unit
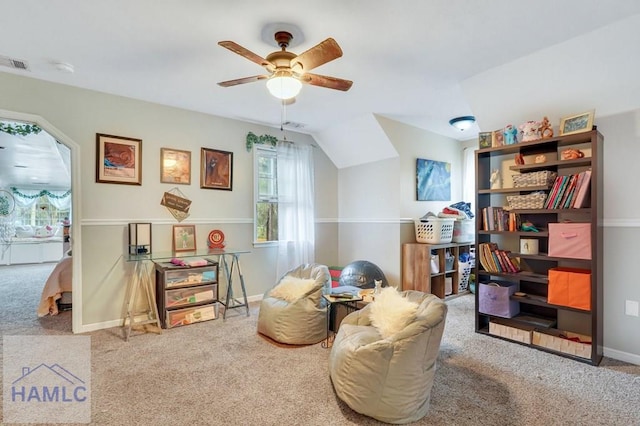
{"points": [[535, 311], [417, 273]]}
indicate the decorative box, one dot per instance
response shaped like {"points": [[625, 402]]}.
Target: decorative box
{"points": [[570, 287], [565, 342], [572, 240], [494, 299]]}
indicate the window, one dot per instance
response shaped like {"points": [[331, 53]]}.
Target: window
{"points": [[40, 213], [265, 195]]}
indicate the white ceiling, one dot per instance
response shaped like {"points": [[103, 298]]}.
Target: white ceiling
{"points": [[415, 61]]}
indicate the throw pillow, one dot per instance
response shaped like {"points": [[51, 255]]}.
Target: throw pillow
{"points": [[292, 288], [391, 313]]}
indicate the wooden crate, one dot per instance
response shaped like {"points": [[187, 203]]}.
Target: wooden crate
{"points": [[502, 329], [560, 344]]}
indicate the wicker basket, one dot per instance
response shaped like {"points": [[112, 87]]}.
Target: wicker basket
{"points": [[541, 178], [434, 230], [534, 200]]}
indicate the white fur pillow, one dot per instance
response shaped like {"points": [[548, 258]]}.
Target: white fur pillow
{"points": [[391, 313], [292, 288]]}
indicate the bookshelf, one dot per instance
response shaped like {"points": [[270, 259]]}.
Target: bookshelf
{"points": [[549, 327]]}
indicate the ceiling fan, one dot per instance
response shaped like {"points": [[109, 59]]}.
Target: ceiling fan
{"points": [[288, 71]]}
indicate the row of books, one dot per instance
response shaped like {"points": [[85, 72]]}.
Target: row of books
{"points": [[493, 259], [499, 219], [569, 192]]}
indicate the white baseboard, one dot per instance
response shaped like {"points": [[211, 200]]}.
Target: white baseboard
{"points": [[621, 356], [86, 328]]}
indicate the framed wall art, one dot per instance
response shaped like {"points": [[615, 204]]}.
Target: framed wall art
{"points": [[118, 160], [577, 123], [184, 238], [175, 166], [433, 180], [216, 169]]}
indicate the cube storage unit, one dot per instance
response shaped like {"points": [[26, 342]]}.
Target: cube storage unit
{"points": [[554, 300], [435, 268], [186, 295]]}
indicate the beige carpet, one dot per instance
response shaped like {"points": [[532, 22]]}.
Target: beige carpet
{"points": [[223, 373]]}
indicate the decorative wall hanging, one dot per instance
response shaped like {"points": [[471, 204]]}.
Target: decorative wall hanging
{"points": [[177, 204], [175, 166], [184, 238], [118, 160], [433, 180], [216, 169]]}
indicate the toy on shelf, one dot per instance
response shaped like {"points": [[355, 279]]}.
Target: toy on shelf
{"points": [[546, 131], [510, 134]]}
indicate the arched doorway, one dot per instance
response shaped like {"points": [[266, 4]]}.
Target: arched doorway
{"points": [[77, 214]]}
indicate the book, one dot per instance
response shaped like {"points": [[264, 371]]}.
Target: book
{"points": [[552, 194], [568, 191], [563, 186], [581, 196]]}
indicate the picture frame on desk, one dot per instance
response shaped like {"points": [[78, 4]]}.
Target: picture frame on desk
{"points": [[577, 123], [184, 238]]}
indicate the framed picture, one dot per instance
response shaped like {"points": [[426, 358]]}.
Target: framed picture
{"points": [[497, 138], [175, 166], [484, 139], [433, 180], [118, 160], [577, 123], [216, 169], [184, 238]]}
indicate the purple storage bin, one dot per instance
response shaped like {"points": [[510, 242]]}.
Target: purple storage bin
{"points": [[493, 299]]}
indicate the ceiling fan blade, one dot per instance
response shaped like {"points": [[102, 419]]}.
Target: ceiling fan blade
{"points": [[246, 53], [319, 54], [235, 82], [325, 81]]}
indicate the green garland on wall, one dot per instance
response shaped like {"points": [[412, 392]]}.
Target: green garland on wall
{"points": [[20, 129], [40, 194], [253, 139]]}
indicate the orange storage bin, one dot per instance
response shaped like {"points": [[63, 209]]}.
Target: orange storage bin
{"points": [[570, 287]]}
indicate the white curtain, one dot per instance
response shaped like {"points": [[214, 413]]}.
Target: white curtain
{"points": [[468, 176], [296, 220]]}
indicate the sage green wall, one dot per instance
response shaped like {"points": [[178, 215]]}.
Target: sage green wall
{"points": [[107, 208]]}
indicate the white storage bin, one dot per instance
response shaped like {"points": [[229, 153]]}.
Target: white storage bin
{"points": [[434, 231], [463, 231]]}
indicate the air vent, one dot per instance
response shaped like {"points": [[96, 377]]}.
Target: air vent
{"points": [[16, 64], [293, 125]]}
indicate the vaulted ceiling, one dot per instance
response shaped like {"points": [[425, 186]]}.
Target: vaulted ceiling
{"points": [[418, 62]]}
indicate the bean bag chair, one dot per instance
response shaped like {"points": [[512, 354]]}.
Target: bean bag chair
{"points": [[383, 360], [294, 311]]}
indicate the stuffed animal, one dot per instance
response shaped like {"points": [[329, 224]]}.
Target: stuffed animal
{"points": [[495, 179], [571, 154], [510, 134], [545, 129], [530, 131]]}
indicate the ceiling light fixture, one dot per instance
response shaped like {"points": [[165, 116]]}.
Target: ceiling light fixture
{"points": [[462, 123], [283, 86]]}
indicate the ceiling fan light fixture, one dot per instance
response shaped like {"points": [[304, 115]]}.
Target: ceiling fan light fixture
{"points": [[462, 123], [284, 86]]}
